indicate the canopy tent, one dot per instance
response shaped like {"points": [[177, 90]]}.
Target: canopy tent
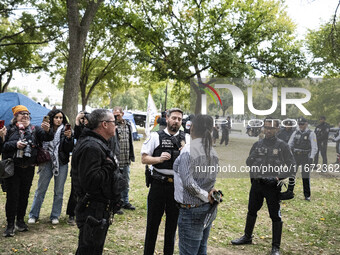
{"points": [[11, 99]]}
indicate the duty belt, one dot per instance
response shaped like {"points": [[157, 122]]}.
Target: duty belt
{"points": [[162, 177]]}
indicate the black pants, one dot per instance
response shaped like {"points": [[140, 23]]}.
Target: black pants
{"points": [[92, 238], [72, 203], [302, 160], [322, 147], [258, 192], [160, 199], [225, 137], [18, 190]]}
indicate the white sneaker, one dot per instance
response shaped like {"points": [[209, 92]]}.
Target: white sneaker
{"points": [[55, 221], [31, 221]]}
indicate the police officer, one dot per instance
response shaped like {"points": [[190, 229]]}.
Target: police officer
{"points": [[161, 150], [95, 180], [285, 133], [304, 147], [321, 132], [269, 152], [225, 131]]}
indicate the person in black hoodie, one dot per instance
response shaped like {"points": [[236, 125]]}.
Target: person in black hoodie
{"points": [[59, 150], [95, 179], [20, 144]]}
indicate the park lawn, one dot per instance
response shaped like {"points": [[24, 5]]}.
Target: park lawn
{"points": [[309, 227]]}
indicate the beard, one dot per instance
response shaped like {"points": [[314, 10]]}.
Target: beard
{"points": [[173, 127]]}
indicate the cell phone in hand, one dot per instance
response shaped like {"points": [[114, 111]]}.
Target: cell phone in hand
{"points": [[2, 124], [47, 119], [67, 127]]}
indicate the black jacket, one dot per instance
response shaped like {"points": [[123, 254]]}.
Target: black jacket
{"points": [[66, 146], [322, 131], [38, 135], [271, 152], [92, 171]]}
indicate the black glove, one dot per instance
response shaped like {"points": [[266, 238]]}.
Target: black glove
{"points": [[286, 195]]}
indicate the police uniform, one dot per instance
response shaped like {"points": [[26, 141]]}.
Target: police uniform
{"points": [[321, 132], [267, 152], [304, 147], [225, 132], [161, 193]]}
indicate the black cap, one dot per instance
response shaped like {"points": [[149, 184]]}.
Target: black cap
{"points": [[302, 120]]}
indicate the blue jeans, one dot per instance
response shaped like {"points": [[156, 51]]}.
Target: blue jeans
{"points": [[45, 177], [125, 170], [193, 237]]}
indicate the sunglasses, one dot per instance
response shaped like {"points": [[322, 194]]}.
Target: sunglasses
{"points": [[302, 123]]}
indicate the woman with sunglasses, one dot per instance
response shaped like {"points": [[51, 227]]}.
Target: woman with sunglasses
{"points": [[59, 149], [20, 144]]}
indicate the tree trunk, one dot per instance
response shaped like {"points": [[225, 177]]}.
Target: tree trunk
{"points": [[78, 31], [198, 92]]}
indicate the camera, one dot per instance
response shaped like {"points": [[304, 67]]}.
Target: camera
{"points": [[217, 196], [28, 149]]}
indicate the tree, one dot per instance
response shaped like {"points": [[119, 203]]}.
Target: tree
{"points": [[23, 34], [79, 26], [183, 39], [324, 44], [106, 58]]}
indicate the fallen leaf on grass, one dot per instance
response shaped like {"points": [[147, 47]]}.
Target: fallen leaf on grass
{"points": [[322, 218], [45, 250], [14, 250]]}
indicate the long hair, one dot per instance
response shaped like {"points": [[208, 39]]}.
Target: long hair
{"points": [[202, 127], [53, 113]]}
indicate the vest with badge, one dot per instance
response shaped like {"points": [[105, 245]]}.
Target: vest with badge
{"points": [[170, 144], [301, 140], [266, 155]]}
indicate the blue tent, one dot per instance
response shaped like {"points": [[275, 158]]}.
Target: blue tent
{"points": [[129, 116], [11, 99]]}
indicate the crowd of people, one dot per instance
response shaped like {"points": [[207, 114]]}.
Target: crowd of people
{"points": [[102, 151]]}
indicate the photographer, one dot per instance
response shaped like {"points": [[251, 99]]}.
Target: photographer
{"points": [[96, 180], [194, 190], [21, 144], [59, 150]]}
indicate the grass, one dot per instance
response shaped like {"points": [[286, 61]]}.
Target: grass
{"points": [[309, 228]]}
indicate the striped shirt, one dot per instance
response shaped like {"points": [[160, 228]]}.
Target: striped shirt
{"points": [[192, 176]]}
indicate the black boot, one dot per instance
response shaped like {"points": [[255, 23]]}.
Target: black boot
{"points": [[21, 226], [9, 232], [248, 232], [276, 242]]}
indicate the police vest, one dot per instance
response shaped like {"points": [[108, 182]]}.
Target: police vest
{"points": [[268, 155], [301, 140], [321, 131], [170, 144]]}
